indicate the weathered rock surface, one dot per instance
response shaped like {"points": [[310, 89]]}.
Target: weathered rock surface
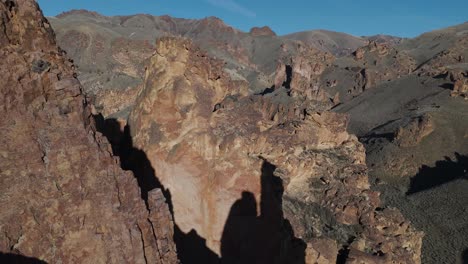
{"points": [[337, 43], [301, 75], [383, 63], [63, 196], [456, 77], [412, 134], [262, 31], [115, 103], [460, 88], [450, 58], [385, 39], [260, 174], [110, 52], [459, 78], [368, 67], [411, 77]]}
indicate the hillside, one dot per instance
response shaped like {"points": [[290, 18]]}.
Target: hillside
{"points": [[339, 44]]}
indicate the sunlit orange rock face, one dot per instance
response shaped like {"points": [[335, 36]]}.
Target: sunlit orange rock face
{"points": [[64, 198], [262, 179]]}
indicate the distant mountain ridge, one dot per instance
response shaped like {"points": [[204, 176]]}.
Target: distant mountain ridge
{"points": [[337, 43], [109, 50]]}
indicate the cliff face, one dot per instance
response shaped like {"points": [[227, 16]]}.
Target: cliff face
{"points": [[261, 178], [63, 196]]}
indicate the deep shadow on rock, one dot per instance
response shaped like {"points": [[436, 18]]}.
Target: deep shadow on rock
{"points": [[192, 248], [241, 223], [18, 259], [267, 238], [247, 238], [465, 257], [444, 171], [131, 158]]}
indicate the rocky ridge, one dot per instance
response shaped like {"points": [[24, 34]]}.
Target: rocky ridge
{"points": [[64, 197]]}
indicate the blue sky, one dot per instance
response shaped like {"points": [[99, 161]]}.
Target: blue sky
{"points": [[407, 18]]}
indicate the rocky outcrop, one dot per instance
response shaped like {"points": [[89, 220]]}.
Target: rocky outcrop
{"points": [[262, 31], [460, 88], [254, 175], [448, 59], [114, 103], [64, 197], [82, 12], [385, 39], [459, 78], [412, 134], [109, 51], [372, 47], [301, 75], [369, 66], [337, 43], [455, 76], [383, 63]]}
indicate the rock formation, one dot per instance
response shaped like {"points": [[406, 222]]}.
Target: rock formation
{"points": [[459, 78], [449, 58], [64, 197], [254, 175], [262, 31], [230, 134], [337, 43], [382, 63], [110, 52], [301, 75], [385, 39], [460, 88], [373, 46], [397, 92], [415, 131]]}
